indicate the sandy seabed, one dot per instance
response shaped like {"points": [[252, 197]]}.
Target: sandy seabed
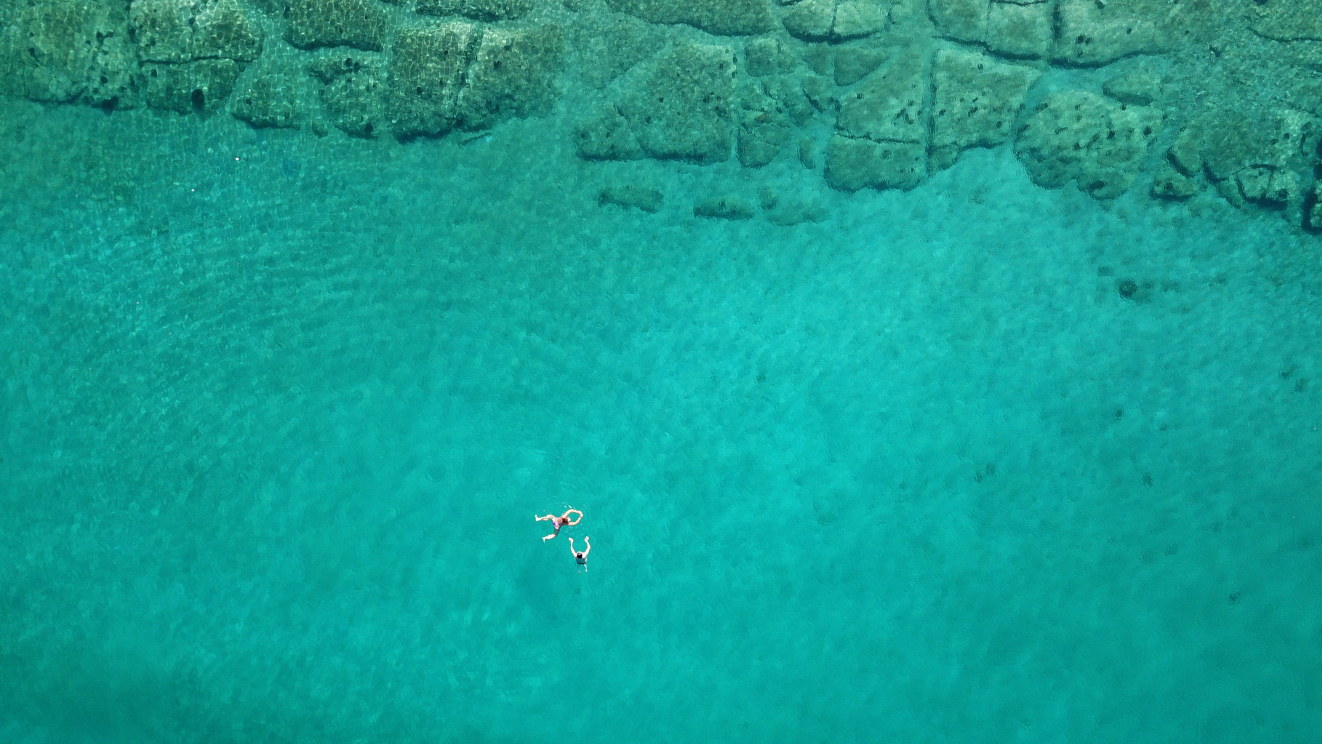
{"points": [[975, 462]]}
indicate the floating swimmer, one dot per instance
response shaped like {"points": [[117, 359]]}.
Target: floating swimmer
{"points": [[560, 521], [581, 555]]}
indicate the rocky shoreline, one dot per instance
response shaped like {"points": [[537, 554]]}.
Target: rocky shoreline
{"points": [[1174, 97]]}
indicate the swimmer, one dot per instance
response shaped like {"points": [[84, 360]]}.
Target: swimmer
{"points": [[560, 521], [581, 555]]}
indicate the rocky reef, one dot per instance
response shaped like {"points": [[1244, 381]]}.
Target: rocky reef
{"points": [[1174, 99]]}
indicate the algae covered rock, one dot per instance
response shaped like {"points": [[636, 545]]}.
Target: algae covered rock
{"points": [[881, 133], [767, 56], [770, 112], [266, 101], [481, 10], [462, 74], [316, 23], [1230, 140], [1313, 217], [976, 99], [888, 104], [719, 17], [836, 20], [1013, 28], [1095, 33], [606, 135], [724, 207], [1077, 135], [682, 105], [64, 50], [185, 30], [425, 76], [1289, 20], [1268, 186], [1250, 155], [631, 196], [853, 163], [1138, 87], [961, 20], [614, 43], [677, 106], [1170, 183], [201, 86], [512, 74], [853, 63], [352, 91], [1020, 30]]}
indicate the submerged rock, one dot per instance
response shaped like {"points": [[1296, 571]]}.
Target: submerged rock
{"points": [[185, 30], [1170, 183], [481, 10], [202, 86], [836, 20], [352, 89], [1081, 136], [888, 104], [1138, 87], [426, 73], [1020, 30], [882, 134], [961, 20], [316, 23], [1289, 20], [512, 74], [719, 17], [67, 50], [266, 101], [606, 135], [853, 163], [631, 196], [770, 112], [976, 99], [678, 106], [725, 207], [1095, 33]]}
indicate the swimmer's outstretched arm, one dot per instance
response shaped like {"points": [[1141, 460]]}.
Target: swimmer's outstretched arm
{"points": [[588, 549]]}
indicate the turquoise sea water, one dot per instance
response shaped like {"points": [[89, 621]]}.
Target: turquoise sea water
{"points": [[277, 414]]}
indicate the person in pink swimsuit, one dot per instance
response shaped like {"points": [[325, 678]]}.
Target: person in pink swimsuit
{"points": [[560, 521], [581, 555]]}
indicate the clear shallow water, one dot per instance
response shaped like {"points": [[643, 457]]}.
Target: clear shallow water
{"points": [[277, 414]]}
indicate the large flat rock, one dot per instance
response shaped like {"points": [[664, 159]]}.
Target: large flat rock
{"points": [[512, 74], [888, 104], [975, 102], [836, 20], [185, 30], [681, 103], [1076, 135], [66, 50], [1290, 20], [425, 77], [352, 92], [1096, 33], [202, 86], [319, 23], [719, 17], [482, 10], [854, 163], [267, 101]]}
